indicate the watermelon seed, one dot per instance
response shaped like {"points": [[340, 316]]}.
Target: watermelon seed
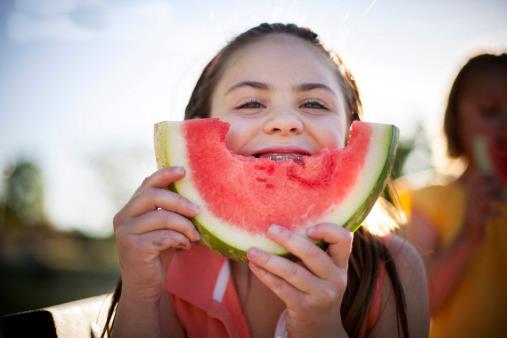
{"points": [[261, 179]]}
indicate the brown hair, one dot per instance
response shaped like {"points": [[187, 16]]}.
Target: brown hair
{"points": [[476, 64], [367, 251]]}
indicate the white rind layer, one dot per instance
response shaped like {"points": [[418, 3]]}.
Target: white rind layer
{"points": [[242, 240], [368, 176]]}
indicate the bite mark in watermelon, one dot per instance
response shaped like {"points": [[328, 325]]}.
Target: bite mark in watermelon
{"points": [[241, 196]]}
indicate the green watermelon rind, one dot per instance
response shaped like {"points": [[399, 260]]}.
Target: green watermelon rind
{"points": [[228, 250], [354, 222]]}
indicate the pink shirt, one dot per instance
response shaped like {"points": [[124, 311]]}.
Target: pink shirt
{"points": [[206, 301]]}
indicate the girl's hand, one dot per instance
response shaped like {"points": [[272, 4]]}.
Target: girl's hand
{"points": [[483, 200], [148, 230], [312, 291]]}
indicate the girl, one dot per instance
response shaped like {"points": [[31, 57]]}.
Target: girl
{"points": [[278, 88], [460, 227]]}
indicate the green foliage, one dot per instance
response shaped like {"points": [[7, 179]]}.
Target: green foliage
{"points": [[404, 149], [23, 196]]}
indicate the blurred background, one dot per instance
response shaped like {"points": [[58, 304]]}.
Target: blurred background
{"points": [[83, 81]]}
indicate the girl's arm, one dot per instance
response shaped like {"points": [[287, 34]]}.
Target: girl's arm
{"points": [[445, 268], [143, 318], [412, 276], [136, 318], [170, 326]]}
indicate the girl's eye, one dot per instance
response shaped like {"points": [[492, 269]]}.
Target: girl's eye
{"points": [[312, 104], [489, 113], [251, 104]]}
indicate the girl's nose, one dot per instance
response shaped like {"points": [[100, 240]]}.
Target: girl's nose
{"points": [[284, 124]]}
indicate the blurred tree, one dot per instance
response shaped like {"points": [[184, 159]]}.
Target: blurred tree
{"points": [[405, 147], [415, 151], [23, 196], [121, 170], [412, 155]]}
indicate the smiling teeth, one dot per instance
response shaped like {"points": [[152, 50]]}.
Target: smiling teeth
{"points": [[283, 157]]}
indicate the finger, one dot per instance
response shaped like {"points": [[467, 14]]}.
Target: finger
{"points": [[291, 272], [155, 242], [314, 258], [161, 219], [285, 291], [340, 241], [154, 198], [161, 178]]}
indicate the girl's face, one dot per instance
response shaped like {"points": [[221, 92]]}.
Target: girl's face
{"points": [[280, 95], [482, 108]]}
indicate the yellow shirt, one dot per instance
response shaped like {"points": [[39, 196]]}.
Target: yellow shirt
{"points": [[478, 305]]}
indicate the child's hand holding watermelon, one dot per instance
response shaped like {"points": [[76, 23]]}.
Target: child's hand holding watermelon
{"points": [[149, 229], [486, 187], [313, 291], [483, 204]]}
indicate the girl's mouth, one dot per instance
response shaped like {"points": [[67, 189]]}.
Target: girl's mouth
{"points": [[282, 156], [282, 153]]}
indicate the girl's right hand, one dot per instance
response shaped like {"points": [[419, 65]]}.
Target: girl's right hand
{"points": [[149, 229], [483, 198]]}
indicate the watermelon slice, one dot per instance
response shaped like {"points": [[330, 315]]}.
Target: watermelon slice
{"points": [[241, 196], [490, 158]]}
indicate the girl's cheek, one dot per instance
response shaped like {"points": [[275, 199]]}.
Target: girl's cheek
{"points": [[232, 141], [241, 131], [335, 134]]}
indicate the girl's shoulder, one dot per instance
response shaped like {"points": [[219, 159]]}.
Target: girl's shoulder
{"points": [[412, 277], [408, 261], [410, 268], [403, 254]]}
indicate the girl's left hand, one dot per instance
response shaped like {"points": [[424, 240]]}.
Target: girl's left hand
{"points": [[312, 291]]}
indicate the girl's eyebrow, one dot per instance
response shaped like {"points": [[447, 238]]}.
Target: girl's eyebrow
{"points": [[253, 84], [310, 86], [264, 86]]}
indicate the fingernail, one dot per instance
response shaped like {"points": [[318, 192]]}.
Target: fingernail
{"points": [[310, 231], [183, 246], [197, 236], [275, 229], [253, 252], [195, 208], [179, 170]]}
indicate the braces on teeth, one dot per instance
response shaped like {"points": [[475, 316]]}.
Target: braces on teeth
{"points": [[281, 157]]}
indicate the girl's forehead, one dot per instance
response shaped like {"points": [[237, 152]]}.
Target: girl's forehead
{"points": [[281, 57]]}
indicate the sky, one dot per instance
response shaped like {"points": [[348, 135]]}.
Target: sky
{"points": [[83, 81]]}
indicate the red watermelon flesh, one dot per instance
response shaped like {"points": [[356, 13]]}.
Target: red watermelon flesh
{"points": [[498, 155], [490, 157], [288, 193]]}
